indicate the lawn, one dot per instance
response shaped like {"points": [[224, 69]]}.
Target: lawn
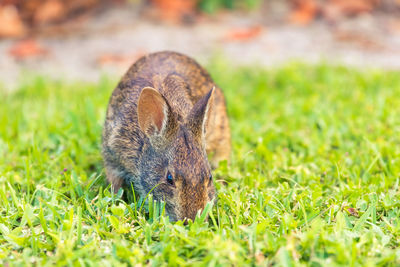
{"points": [[313, 180]]}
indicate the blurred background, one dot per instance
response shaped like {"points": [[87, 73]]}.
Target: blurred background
{"points": [[84, 39]]}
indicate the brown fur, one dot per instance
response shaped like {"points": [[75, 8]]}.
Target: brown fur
{"points": [[165, 117]]}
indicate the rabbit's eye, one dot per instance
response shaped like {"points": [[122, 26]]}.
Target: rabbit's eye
{"points": [[210, 177], [170, 178]]}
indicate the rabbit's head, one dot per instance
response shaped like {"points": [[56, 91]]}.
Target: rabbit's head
{"points": [[174, 162]]}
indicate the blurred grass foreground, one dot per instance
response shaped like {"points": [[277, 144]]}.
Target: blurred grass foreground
{"points": [[314, 178]]}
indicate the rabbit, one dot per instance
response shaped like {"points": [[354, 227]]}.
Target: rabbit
{"points": [[163, 119]]}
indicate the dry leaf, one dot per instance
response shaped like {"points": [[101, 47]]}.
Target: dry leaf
{"points": [[335, 9], [359, 39], [353, 7], [49, 11], [119, 59], [9, 2], [175, 9], [27, 49], [352, 211], [27, 9], [304, 13], [244, 34], [394, 25], [260, 258], [11, 24], [80, 5]]}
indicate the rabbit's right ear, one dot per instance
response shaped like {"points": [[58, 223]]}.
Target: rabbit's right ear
{"points": [[154, 115]]}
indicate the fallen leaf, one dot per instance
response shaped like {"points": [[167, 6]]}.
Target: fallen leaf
{"points": [[244, 34], [111, 58], [123, 60], [27, 49], [80, 5], [335, 9], [394, 25], [352, 211], [27, 9], [304, 13], [11, 24], [49, 11], [175, 10], [260, 258], [9, 2], [358, 39]]}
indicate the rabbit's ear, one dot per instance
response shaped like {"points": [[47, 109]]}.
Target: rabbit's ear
{"points": [[153, 113], [196, 120]]}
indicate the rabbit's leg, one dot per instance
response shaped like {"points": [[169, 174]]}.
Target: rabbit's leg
{"points": [[113, 177]]}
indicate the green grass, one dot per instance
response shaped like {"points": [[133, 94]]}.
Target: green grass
{"points": [[314, 178]]}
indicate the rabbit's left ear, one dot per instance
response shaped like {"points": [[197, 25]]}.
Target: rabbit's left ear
{"points": [[154, 114], [197, 118]]}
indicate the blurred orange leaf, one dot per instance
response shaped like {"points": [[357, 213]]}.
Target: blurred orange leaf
{"points": [[304, 12], [352, 211], [244, 34], [49, 11], [175, 9], [124, 60], [260, 258], [359, 39], [336, 9], [352, 7], [395, 25], [11, 24], [26, 49]]}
